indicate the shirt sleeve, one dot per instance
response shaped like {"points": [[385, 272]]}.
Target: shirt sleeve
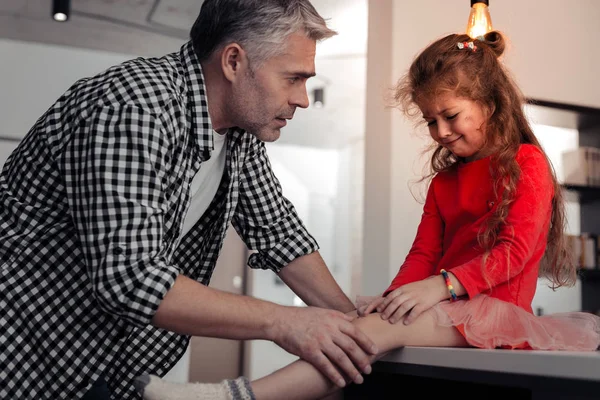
{"points": [[113, 173], [265, 219], [526, 224], [426, 250]]}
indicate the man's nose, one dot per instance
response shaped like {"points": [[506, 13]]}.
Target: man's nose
{"points": [[300, 98]]}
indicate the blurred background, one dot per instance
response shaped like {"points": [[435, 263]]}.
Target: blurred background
{"points": [[349, 163]]}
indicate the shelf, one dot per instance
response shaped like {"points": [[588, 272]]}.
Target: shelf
{"points": [[586, 194], [588, 275], [563, 115]]}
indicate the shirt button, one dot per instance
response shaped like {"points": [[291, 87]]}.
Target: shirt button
{"points": [[117, 251]]}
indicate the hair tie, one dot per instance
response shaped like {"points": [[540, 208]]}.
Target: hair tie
{"points": [[467, 45]]}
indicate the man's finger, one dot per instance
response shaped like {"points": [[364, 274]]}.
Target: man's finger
{"points": [[340, 358], [362, 340], [359, 358], [322, 363]]}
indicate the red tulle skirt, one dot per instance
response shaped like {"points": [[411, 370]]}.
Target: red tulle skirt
{"points": [[489, 323]]}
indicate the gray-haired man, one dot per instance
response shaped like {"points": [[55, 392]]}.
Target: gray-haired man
{"points": [[115, 205]]}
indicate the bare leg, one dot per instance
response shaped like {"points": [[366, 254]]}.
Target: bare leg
{"points": [[300, 380]]}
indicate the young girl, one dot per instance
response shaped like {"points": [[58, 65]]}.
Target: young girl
{"points": [[492, 224]]}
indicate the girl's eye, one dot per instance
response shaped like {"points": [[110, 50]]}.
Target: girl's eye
{"points": [[429, 123], [452, 116]]}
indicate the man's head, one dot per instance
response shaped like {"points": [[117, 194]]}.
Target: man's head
{"points": [[265, 50]]}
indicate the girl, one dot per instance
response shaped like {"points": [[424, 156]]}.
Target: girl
{"points": [[492, 223]]}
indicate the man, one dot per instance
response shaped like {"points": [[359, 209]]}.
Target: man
{"points": [[115, 205]]}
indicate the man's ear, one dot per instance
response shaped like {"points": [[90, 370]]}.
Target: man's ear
{"points": [[233, 60]]}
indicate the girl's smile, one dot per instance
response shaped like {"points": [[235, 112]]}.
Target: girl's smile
{"points": [[456, 123]]}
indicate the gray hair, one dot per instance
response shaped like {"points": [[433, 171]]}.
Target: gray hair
{"points": [[259, 26]]}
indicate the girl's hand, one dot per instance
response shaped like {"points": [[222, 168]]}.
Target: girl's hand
{"points": [[366, 304], [412, 299]]}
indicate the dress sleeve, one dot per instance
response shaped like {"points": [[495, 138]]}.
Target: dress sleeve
{"points": [[526, 224], [426, 250]]}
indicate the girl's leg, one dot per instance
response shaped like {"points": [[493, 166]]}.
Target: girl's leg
{"points": [[300, 380]]}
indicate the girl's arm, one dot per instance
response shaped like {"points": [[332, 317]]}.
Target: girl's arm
{"points": [[426, 250], [525, 230]]}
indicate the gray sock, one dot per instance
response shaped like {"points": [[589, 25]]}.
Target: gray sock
{"points": [[154, 388], [239, 389]]}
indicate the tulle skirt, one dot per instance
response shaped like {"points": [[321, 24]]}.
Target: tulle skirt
{"points": [[490, 323]]}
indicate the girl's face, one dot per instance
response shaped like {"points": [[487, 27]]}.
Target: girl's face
{"points": [[456, 123]]}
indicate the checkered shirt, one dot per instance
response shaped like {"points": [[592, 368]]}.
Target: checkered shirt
{"points": [[92, 204]]}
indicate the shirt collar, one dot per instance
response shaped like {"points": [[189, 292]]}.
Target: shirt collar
{"points": [[197, 109]]}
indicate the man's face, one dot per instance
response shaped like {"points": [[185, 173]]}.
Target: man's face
{"points": [[265, 97]]}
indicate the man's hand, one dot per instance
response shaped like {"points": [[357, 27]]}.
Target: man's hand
{"points": [[411, 300], [327, 339]]}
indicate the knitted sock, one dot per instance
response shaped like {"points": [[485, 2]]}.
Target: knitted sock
{"points": [[154, 388]]}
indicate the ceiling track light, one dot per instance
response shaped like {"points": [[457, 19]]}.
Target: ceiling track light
{"points": [[61, 9], [318, 97]]}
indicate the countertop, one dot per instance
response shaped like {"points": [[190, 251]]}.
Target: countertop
{"points": [[558, 364]]}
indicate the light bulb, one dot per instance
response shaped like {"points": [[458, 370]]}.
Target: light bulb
{"points": [[60, 17], [480, 21]]}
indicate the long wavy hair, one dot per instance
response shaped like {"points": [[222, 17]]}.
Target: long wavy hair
{"points": [[481, 77]]}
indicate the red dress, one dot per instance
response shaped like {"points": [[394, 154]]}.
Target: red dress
{"points": [[458, 202]]}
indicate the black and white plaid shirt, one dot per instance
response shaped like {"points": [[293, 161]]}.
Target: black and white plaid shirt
{"points": [[92, 204]]}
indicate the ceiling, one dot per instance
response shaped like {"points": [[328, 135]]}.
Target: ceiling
{"points": [[153, 27], [158, 27]]}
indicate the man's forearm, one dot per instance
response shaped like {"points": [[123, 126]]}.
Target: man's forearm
{"points": [[311, 280], [191, 308]]}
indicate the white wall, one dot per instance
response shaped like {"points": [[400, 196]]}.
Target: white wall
{"points": [[33, 76], [6, 147], [553, 54], [349, 219]]}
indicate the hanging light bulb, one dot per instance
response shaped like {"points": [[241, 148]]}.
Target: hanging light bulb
{"points": [[61, 10], [480, 21]]}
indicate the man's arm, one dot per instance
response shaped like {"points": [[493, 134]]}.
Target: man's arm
{"points": [[269, 224], [316, 335], [191, 308], [311, 280]]}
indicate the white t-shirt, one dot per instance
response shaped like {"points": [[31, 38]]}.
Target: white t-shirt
{"points": [[206, 182]]}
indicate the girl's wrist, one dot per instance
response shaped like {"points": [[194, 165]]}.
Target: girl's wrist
{"points": [[444, 293], [449, 286]]}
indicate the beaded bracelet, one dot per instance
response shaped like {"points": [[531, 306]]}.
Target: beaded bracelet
{"points": [[449, 284]]}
